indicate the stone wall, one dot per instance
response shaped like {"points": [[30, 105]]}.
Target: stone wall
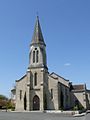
{"points": [[21, 85]]}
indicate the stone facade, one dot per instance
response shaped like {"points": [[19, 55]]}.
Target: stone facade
{"points": [[40, 90]]}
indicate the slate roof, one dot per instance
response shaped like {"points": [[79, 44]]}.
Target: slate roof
{"points": [[79, 87], [37, 36]]}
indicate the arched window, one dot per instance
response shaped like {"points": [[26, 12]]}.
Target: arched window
{"points": [[33, 56], [37, 52], [35, 79], [51, 93], [20, 94]]}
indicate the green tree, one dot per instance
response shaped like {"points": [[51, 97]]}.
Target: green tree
{"points": [[3, 101], [6, 103], [10, 105]]}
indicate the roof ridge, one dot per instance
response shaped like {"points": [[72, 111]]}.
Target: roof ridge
{"points": [[58, 76]]}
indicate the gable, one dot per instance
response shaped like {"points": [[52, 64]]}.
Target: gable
{"points": [[21, 78], [60, 79], [22, 81]]}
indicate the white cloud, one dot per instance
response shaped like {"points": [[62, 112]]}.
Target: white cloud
{"points": [[67, 64]]}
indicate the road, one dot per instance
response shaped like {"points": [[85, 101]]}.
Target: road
{"points": [[38, 116]]}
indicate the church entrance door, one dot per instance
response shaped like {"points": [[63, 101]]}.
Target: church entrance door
{"points": [[36, 103]]}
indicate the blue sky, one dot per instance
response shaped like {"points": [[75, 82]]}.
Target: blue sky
{"points": [[66, 29]]}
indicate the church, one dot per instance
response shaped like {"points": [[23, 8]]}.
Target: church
{"points": [[40, 90]]}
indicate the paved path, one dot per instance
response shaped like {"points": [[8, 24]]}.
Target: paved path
{"points": [[38, 116]]}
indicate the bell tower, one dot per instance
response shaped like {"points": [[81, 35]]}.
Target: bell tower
{"points": [[38, 71], [37, 48]]}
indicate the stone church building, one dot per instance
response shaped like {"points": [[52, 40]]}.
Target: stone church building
{"points": [[40, 90]]}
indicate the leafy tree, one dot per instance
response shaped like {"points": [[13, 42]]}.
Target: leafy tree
{"points": [[3, 101], [6, 103], [2, 97], [10, 105]]}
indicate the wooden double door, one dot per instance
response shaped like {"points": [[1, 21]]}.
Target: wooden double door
{"points": [[36, 103]]}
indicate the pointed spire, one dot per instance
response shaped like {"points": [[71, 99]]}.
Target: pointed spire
{"points": [[37, 36]]}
